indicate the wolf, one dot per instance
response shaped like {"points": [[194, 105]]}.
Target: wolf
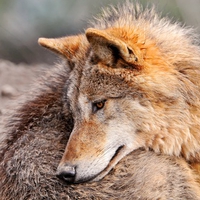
{"points": [[136, 84], [33, 141], [120, 101]]}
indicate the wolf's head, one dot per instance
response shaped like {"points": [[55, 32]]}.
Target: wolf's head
{"points": [[131, 85]]}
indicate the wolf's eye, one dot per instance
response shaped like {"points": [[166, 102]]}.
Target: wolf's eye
{"points": [[98, 105]]}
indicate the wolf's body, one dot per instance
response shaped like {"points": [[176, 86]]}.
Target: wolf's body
{"points": [[131, 81], [33, 144]]}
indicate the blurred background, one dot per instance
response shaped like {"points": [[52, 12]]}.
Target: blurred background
{"points": [[22, 22]]}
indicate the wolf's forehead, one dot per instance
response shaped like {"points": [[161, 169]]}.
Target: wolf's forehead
{"points": [[98, 82]]}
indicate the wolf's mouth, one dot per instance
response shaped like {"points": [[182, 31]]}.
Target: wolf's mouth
{"points": [[116, 153], [113, 161]]}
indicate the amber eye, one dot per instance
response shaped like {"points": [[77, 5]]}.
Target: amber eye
{"points": [[98, 105]]}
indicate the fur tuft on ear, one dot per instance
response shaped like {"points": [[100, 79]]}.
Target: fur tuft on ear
{"points": [[108, 47]]}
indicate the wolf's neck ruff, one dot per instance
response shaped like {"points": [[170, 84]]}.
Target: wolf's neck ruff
{"points": [[148, 71]]}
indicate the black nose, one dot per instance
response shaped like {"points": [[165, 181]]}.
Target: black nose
{"points": [[67, 173]]}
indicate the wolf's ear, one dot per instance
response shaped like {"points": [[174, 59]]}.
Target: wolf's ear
{"points": [[71, 47], [108, 47]]}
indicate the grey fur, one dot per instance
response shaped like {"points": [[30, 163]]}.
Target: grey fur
{"points": [[28, 162], [34, 139]]}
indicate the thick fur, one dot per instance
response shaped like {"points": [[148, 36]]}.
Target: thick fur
{"points": [[125, 84], [34, 141], [136, 85]]}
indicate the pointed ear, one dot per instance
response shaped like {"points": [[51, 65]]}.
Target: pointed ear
{"points": [[108, 47], [72, 47]]}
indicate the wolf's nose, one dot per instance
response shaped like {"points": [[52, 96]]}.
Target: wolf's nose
{"points": [[67, 173]]}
